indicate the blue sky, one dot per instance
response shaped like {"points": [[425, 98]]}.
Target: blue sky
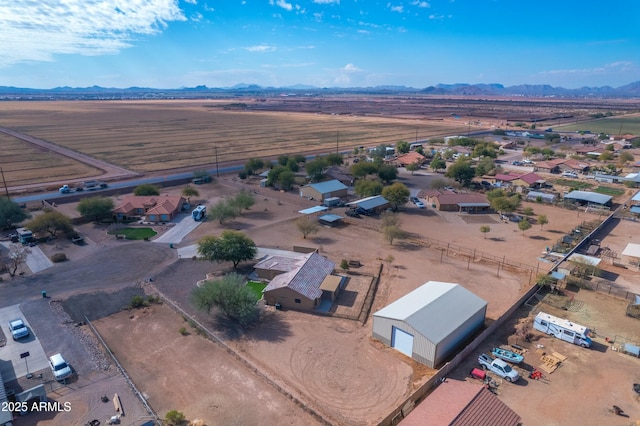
{"points": [[324, 43]]}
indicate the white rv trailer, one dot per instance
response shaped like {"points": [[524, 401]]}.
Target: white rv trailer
{"points": [[562, 329], [199, 213]]}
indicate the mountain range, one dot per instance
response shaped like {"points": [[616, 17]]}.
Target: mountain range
{"points": [[631, 90]]}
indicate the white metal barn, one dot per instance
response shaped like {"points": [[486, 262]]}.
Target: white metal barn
{"points": [[431, 322]]}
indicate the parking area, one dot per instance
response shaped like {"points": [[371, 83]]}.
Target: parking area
{"points": [[36, 260], [11, 365]]}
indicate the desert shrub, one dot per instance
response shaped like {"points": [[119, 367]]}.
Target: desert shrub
{"points": [[137, 302], [58, 257], [242, 174], [183, 331], [153, 298], [175, 418]]}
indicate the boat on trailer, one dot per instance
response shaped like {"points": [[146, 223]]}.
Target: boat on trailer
{"points": [[507, 355]]}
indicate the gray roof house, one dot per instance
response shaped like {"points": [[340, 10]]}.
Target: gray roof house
{"points": [[322, 190], [430, 323], [300, 287]]}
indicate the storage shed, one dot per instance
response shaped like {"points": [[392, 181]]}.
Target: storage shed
{"points": [[431, 322], [323, 190]]}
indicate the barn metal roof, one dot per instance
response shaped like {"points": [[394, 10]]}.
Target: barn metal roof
{"points": [[370, 202], [312, 210], [434, 309], [328, 186], [590, 197], [330, 218]]}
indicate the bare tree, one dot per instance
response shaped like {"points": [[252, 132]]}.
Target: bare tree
{"points": [[16, 256], [306, 226]]}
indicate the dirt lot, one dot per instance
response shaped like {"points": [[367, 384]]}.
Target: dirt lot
{"points": [[191, 374], [585, 387]]}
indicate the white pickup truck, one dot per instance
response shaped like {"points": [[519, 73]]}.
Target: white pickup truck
{"points": [[498, 367]]}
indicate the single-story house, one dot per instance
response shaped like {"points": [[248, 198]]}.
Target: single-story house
{"points": [[371, 205], [589, 150], [528, 180], [546, 167], [586, 198], [340, 174], [461, 403], [410, 158], [574, 166], [454, 202], [423, 325], [156, 208], [545, 197], [322, 190], [301, 287], [272, 265]]}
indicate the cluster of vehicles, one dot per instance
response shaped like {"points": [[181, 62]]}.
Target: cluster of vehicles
{"points": [[90, 185], [59, 367]]}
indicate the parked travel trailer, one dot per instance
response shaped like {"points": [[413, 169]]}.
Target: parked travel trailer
{"points": [[562, 329], [199, 213], [24, 235]]}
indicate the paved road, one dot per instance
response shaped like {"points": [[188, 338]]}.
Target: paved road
{"points": [[37, 360], [183, 226]]}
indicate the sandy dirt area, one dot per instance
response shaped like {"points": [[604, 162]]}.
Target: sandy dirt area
{"points": [[589, 382], [192, 374]]}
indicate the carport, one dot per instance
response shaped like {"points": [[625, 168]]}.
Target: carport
{"points": [[331, 286], [330, 219]]}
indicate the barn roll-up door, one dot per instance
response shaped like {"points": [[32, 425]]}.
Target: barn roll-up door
{"points": [[402, 341]]}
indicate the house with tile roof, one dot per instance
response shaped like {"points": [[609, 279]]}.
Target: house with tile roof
{"points": [[455, 202], [461, 403], [410, 158], [528, 180], [306, 283], [155, 208]]}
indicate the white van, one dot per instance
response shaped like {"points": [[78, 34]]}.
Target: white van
{"points": [[570, 175]]}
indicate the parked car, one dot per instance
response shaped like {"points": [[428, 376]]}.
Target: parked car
{"points": [[59, 367], [351, 213], [515, 218], [414, 199], [570, 175], [419, 204], [18, 329]]}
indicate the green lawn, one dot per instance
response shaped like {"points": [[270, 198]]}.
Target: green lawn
{"points": [[257, 288], [609, 125], [573, 183], [135, 233], [610, 191]]}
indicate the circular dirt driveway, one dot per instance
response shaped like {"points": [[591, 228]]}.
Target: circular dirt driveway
{"points": [[337, 367]]}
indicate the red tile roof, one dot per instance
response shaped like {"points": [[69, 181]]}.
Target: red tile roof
{"points": [[461, 403], [453, 198], [531, 178], [410, 158], [152, 204]]}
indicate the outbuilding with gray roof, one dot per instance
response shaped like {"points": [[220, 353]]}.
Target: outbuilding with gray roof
{"points": [[323, 190], [586, 197], [430, 323]]}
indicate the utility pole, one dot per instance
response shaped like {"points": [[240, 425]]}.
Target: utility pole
{"points": [[4, 182], [337, 139], [217, 170]]}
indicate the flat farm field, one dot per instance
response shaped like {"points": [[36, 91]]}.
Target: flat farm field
{"points": [[150, 136]]}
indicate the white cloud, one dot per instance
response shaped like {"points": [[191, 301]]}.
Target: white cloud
{"points": [[326, 1], [350, 68], [191, 1], [422, 4], [398, 8], [261, 48], [614, 67], [35, 30], [281, 3]]}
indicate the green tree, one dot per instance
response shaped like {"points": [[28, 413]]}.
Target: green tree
{"points": [[175, 418], [461, 171], [97, 207], [344, 265], [283, 160], [286, 180], [528, 211], [10, 213], [485, 229], [315, 168], [50, 221], [625, 158], [484, 166], [274, 174], [306, 226], [439, 183], [484, 149], [231, 246], [242, 201], [363, 168], [368, 188], [392, 233], [524, 225], [387, 172], [413, 167], [438, 164], [253, 165], [606, 156], [333, 159], [230, 295], [222, 211], [146, 189], [542, 220], [397, 194], [402, 147], [292, 165], [390, 219], [300, 158], [189, 192]]}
